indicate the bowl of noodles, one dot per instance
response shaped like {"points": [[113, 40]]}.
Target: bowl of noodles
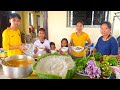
{"points": [[41, 48], [78, 49]]}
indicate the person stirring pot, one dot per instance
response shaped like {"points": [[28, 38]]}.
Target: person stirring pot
{"points": [[11, 37]]}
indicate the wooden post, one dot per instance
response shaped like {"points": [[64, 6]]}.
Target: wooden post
{"points": [[45, 22]]}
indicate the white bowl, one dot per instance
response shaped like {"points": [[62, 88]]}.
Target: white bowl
{"points": [[64, 49], [41, 48], [37, 55], [78, 48], [52, 51]]}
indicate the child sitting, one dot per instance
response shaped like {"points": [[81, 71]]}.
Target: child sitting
{"points": [[64, 44], [52, 47], [42, 42]]}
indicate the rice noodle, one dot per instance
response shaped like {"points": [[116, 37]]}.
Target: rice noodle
{"points": [[58, 65]]}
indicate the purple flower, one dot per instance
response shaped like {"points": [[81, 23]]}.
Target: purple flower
{"points": [[92, 69]]}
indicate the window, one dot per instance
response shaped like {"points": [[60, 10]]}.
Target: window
{"points": [[89, 17], [30, 19], [38, 20], [99, 17], [12, 11]]}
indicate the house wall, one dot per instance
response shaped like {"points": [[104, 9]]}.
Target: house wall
{"points": [[57, 27]]}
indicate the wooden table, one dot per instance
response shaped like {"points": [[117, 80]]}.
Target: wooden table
{"points": [[76, 76]]}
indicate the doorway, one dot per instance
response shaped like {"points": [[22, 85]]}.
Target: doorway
{"points": [[4, 23]]}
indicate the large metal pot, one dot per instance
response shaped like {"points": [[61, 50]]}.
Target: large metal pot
{"points": [[17, 72]]}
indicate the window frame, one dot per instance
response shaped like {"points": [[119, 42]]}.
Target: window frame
{"points": [[30, 18], [70, 20]]}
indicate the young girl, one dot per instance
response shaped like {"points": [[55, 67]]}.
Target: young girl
{"points": [[53, 47], [64, 43], [41, 42]]}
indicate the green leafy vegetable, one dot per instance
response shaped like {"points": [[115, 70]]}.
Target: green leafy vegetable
{"points": [[49, 54], [71, 73], [98, 56], [98, 63], [106, 71], [81, 63], [105, 63], [105, 57], [113, 61]]}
